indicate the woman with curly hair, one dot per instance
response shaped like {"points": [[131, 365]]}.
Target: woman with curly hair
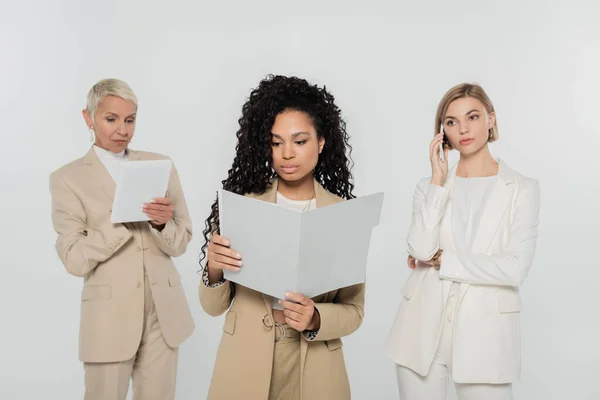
{"points": [[292, 150]]}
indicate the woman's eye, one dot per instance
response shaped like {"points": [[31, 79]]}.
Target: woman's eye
{"points": [[301, 142], [275, 144], [474, 117]]}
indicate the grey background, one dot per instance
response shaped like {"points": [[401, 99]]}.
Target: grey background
{"points": [[192, 65]]}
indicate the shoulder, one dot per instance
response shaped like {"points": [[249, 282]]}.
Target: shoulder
{"points": [[67, 170], [524, 182]]}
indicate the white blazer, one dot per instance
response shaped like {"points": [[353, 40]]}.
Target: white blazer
{"points": [[486, 344]]}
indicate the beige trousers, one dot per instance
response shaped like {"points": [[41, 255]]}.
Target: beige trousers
{"points": [[153, 369], [285, 378]]}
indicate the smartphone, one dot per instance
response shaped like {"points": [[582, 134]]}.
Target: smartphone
{"points": [[444, 143]]}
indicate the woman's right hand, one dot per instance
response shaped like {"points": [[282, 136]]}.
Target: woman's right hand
{"points": [[439, 168], [221, 257]]}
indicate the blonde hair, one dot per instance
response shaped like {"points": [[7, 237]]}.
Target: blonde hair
{"points": [[108, 87], [458, 92]]}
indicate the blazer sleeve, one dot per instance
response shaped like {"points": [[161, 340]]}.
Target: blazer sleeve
{"points": [[215, 298], [81, 247], [343, 315], [429, 205], [177, 232], [511, 267]]}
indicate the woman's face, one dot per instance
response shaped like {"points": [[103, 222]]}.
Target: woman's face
{"points": [[295, 145], [467, 125], [114, 123]]}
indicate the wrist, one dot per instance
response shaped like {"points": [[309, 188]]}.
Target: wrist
{"points": [[315, 323], [158, 227], [437, 181], [214, 275]]}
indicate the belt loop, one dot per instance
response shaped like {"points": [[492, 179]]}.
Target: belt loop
{"points": [[267, 321], [283, 332]]}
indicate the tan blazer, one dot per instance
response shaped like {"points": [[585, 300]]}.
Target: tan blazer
{"points": [[111, 259], [245, 356], [487, 343]]}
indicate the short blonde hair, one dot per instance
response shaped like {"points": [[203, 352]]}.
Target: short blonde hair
{"points": [[109, 87], [458, 92]]}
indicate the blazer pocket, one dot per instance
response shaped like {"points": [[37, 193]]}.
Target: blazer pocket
{"points": [[229, 325], [412, 283], [334, 344], [96, 292], [508, 301], [174, 279]]}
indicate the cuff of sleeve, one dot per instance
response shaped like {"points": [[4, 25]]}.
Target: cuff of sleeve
{"points": [[436, 196], [310, 335], [206, 280], [165, 232], [449, 265], [116, 235]]}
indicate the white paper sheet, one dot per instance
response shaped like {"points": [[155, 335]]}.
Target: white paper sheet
{"points": [[310, 253], [139, 182]]}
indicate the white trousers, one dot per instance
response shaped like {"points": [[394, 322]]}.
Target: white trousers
{"points": [[434, 386]]}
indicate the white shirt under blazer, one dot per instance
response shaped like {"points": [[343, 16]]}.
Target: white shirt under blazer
{"points": [[486, 344]]}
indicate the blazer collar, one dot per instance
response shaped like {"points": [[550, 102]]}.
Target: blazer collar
{"points": [[505, 174], [323, 197]]}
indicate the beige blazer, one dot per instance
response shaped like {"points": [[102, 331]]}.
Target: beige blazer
{"points": [[111, 259], [486, 346], [245, 356]]}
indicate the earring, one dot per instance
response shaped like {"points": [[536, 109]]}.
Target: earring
{"points": [[491, 134], [92, 136]]}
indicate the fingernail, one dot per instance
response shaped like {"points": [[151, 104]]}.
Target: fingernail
{"points": [[281, 302], [240, 263], [238, 255], [288, 294]]}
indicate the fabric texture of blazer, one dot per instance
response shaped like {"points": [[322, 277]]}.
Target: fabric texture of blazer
{"points": [[245, 355], [111, 259], [487, 344]]}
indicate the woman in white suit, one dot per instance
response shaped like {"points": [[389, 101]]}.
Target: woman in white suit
{"points": [[473, 234]]}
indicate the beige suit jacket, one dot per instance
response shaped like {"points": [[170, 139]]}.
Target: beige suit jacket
{"points": [[111, 259], [245, 356]]}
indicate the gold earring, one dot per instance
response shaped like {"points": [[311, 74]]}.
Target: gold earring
{"points": [[491, 134]]}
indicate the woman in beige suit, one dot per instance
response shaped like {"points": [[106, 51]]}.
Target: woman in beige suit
{"points": [[134, 313], [473, 231], [292, 150]]}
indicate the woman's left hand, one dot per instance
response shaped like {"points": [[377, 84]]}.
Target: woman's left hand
{"points": [[160, 210], [300, 312]]}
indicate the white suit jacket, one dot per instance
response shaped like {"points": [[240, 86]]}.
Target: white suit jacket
{"points": [[486, 344]]}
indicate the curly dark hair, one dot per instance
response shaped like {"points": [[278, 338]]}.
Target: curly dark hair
{"points": [[252, 170]]}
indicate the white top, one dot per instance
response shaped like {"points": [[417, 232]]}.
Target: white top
{"points": [[111, 161], [300, 206], [469, 197]]}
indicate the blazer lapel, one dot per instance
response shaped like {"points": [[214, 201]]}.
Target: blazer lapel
{"points": [[99, 174], [494, 210]]}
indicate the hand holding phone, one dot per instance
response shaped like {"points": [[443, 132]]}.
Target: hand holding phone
{"points": [[439, 158]]}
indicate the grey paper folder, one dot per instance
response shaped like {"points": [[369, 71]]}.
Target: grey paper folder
{"points": [[310, 253]]}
